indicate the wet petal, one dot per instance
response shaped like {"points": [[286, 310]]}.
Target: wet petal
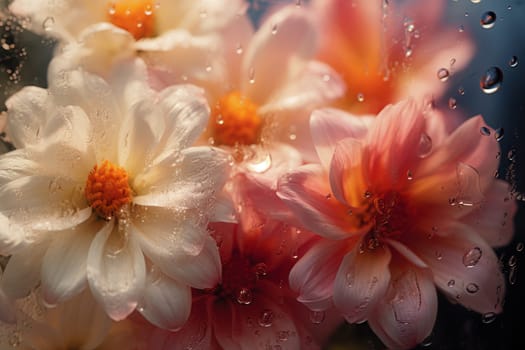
{"points": [[406, 316], [361, 282], [166, 302], [116, 271]]}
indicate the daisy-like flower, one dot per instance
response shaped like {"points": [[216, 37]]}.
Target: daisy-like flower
{"points": [[389, 51], [252, 307], [264, 84], [79, 323], [97, 34], [105, 190], [402, 208]]}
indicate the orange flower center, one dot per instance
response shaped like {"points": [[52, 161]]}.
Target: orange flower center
{"points": [[235, 121], [388, 214], [135, 16], [107, 189]]}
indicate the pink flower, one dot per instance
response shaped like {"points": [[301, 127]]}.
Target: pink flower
{"points": [[252, 307], [388, 52], [403, 207]]}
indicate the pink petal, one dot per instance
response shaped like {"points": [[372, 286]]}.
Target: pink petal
{"points": [[465, 145], [314, 274], [116, 271], [493, 219], [406, 316], [361, 282], [166, 302], [464, 266], [393, 140], [283, 40], [346, 175], [329, 126], [307, 194]]}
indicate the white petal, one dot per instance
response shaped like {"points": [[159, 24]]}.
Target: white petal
{"points": [[116, 271], [316, 85], [64, 264], [166, 302], [26, 263], [26, 114], [282, 41], [184, 182]]}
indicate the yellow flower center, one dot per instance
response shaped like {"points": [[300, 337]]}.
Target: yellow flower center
{"points": [[135, 16], [107, 189], [235, 121]]}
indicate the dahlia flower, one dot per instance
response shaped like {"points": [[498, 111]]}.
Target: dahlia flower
{"points": [[252, 307], [390, 51], [402, 208], [105, 190]]}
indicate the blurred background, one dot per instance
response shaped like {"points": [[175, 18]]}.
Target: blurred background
{"points": [[500, 46]]}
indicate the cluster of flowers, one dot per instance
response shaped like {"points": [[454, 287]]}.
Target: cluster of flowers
{"points": [[188, 182]]}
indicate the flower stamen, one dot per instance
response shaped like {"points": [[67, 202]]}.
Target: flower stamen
{"points": [[235, 121], [107, 189], [135, 16]]}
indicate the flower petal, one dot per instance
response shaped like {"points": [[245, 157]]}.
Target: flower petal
{"points": [[26, 112], [64, 264], [307, 194], [406, 316], [166, 302], [116, 271], [361, 282], [314, 274], [284, 39], [464, 266], [329, 126], [27, 263], [493, 219], [184, 182]]}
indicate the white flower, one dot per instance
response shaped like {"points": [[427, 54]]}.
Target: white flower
{"points": [[97, 34], [105, 190]]}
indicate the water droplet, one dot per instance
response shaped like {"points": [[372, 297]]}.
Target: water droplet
{"points": [[451, 283], [461, 28], [266, 318], [452, 103], [148, 11], [443, 74], [360, 97], [491, 80], [317, 317], [239, 49], [488, 317], [498, 135], [251, 76], [475, 1], [472, 257], [261, 270], [368, 194], [425, 146], [427, 341], [283, 336], [274, 29], [244, 296], [260, 164], [488, 19], [513, 62], [48, 23], [472, 288], [461, 90], [512, 261], [513, 274], [511, 155], [438, 254], [409, 175], [484, 131], [520, 246]]}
